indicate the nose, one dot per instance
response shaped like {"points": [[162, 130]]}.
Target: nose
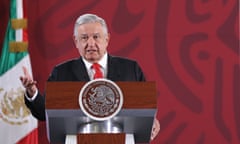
{"points": [[91, 41]]}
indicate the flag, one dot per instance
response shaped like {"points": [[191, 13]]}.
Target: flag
{"points": [[17, 125]]}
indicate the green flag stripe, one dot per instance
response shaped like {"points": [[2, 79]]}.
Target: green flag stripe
{"points": [[9, 59]]}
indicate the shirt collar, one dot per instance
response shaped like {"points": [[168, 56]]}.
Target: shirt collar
{"points": [[102, 62]]}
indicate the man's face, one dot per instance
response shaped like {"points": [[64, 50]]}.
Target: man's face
{"points": [[91, 41]]}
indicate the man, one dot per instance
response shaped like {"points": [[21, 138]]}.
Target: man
{"points": [[91, 38]]}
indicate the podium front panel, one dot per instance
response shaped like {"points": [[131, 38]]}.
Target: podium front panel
{"points": [[64, 116]]}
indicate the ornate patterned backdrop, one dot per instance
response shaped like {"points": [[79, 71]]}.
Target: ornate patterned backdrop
{"points": [[189, 47]]}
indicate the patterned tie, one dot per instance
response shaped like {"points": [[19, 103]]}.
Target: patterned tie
{"points": [[98, 72]]}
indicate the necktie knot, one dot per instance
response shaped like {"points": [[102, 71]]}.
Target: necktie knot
{"points": [[98, 72]]}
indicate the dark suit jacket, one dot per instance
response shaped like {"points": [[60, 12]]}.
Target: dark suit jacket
{"points": [[119, 69]]}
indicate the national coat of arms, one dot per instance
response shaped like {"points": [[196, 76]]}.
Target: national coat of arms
{"points": [[100, 99]]}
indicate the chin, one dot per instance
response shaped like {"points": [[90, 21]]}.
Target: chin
{"points": [[92, 59]]}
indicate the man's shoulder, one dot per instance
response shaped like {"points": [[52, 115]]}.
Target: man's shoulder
{"points": [[121, 59], [69, 62]]}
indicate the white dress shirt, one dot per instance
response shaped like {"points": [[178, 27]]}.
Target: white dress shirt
{"points": [[102, 63]]}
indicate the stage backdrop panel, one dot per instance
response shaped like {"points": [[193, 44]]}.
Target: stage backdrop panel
{"points": [[190, 48]]}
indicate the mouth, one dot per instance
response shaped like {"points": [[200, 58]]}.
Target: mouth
{"points": [[91, 50]]}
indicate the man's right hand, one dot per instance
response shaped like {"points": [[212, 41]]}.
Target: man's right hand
{"points": [[28, 82]]}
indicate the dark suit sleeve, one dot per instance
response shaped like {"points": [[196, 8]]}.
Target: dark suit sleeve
{"points": [[139, 73], [37, 107]]}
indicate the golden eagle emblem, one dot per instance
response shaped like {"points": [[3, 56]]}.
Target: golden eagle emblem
{"points": [[12, 106]]}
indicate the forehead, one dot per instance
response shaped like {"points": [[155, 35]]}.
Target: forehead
{"points": [[90, 28]]}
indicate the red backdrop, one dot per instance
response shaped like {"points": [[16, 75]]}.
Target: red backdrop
{"points": [[190, 48]]}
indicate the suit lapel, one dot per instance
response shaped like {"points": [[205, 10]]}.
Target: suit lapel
{"points": [[113, 72], [80, 70]]}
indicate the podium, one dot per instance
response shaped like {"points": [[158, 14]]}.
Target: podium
{"points": [[64, 116]]}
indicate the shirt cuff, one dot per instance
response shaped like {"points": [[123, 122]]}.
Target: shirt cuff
{"points": [[32, 98]]}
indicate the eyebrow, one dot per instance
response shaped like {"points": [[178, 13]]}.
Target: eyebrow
{"points": [[91, 34]]}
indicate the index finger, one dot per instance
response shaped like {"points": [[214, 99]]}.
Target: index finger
{"points": [[25, 71]]}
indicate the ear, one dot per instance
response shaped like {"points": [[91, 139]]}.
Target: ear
{"points": [[108, 37], [75, 40]]}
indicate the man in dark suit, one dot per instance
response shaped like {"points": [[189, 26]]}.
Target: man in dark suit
{"points": [[91, 38]]}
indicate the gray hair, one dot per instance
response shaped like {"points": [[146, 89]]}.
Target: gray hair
{"points": [[89, 18]]}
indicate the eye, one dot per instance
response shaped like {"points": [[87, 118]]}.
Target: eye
{"points": [[84, 37], [96, 37]]}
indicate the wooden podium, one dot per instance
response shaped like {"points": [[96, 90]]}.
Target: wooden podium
{"points": [[64, 116]]}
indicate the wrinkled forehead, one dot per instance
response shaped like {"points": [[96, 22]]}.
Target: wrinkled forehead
{"points": [[90, 28]]}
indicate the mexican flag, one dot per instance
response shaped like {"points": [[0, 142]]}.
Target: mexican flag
{"points": [[17, 125]]}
